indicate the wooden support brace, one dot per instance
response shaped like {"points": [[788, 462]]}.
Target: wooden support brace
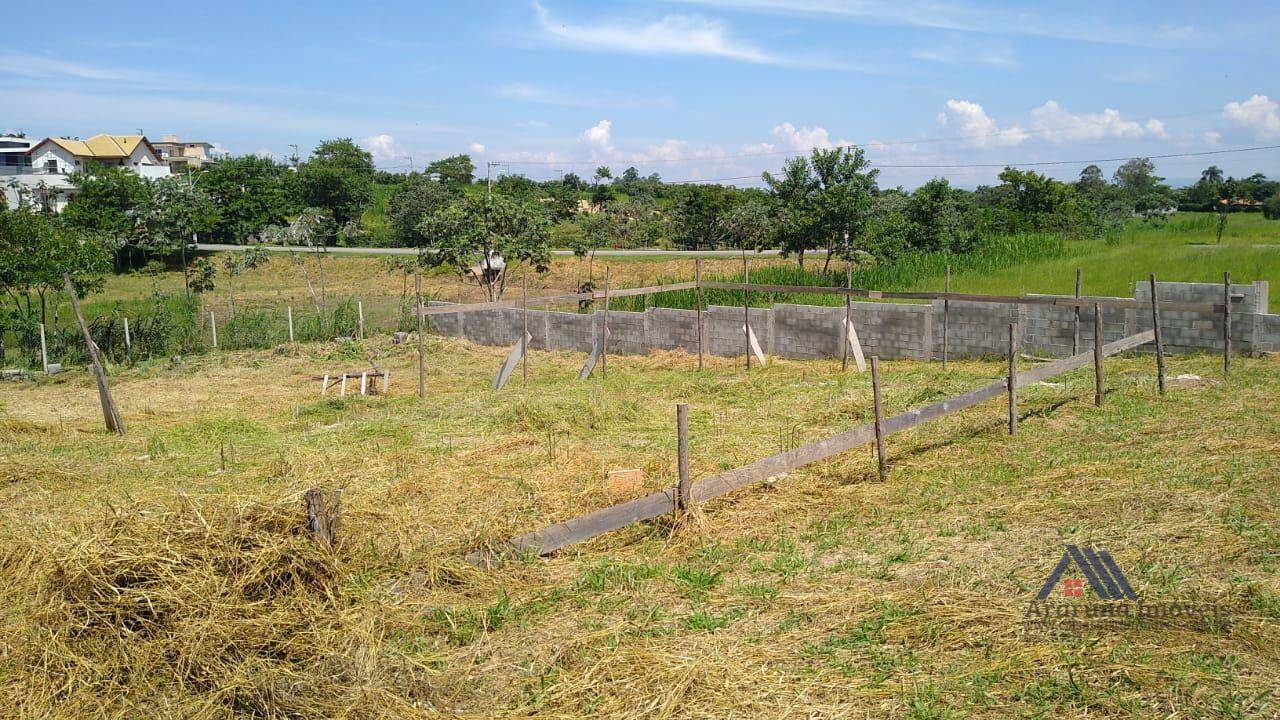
{"points": [[852, 343], [509, 366], [754, 346]]}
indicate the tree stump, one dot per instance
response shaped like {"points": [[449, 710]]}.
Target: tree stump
{"points": [[322, 516]]}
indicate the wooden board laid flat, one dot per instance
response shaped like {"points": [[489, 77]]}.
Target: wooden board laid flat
{"points": [[584, 527]]}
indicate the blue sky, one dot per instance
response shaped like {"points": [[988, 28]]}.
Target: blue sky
{"points": [[691, 89]]}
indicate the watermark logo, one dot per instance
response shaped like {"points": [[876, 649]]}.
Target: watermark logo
{"points": [[1117, 606]]}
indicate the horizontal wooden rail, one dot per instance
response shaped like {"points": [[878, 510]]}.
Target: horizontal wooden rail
{"points": [[651, 290], [499, 304], [585, 527]]}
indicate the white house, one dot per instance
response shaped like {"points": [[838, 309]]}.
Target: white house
{"points": [[42, 175]]}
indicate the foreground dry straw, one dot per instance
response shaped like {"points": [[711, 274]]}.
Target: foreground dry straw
{"points": [[139, 577]]}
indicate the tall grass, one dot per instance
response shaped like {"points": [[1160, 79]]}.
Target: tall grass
{"points": [[991, 253]]}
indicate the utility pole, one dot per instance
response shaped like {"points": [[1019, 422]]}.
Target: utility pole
{"points": [[488, 174], [295, 157]]}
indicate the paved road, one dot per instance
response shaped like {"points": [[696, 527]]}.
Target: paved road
{"points": [[599, 253]]}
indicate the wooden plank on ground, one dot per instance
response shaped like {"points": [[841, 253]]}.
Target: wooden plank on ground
{"points": [[585, 527]]}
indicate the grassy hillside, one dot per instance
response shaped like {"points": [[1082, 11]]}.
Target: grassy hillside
{"points": [[166, 572]]}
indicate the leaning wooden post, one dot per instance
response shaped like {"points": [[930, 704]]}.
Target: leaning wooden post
{"points": [[360, 319], [697, 281], [746, 311], [110, 414], [848, 316], [946, 319], [289, 314], [44, 351], [1226, 323], [524, 337], [213, 328], [683, 500], [1155, 325], [1098, 386], [422, 347], [1013, 378], [604, 330], [1075, 339], [879, 410]]}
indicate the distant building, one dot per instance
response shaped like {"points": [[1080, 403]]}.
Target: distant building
{"points": [[181, 154], [43, 177]]}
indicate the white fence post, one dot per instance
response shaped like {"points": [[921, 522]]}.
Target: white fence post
{"points": [[360, 318], [44, 351], [128, 342], [290, 311], [213, 327]]}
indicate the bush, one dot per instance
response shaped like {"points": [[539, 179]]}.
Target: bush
{"points": [[1271, 207]]}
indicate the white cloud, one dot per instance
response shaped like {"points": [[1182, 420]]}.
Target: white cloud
{"points": [[970, 121], [1259, 113], [805, 138], [546, 95], [34, 66], [475, 148], [267, 153], [383, 147], [1057, 125], [599, 140], [958, 51], [1211, 137], [669, 35]]}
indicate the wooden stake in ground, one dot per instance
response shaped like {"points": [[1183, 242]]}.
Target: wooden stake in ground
{"points": [[128, 341], [110, 415], [44, 351], [289, 314], [524, 311], [1098, 387], [213, 328], [848, 316], [360, 320], [881, 462], [1075, 340], [746, 310], [1226, 323], [604, 333], [683, 502], [422, 347], [1013, 378], [697, 282], [1155, 327], [322, 516], [946, 320]]}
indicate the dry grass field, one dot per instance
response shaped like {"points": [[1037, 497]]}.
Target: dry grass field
{"points": [[167, 573]]}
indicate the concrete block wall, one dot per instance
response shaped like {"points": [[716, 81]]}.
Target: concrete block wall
{"points": [[890, 330]]}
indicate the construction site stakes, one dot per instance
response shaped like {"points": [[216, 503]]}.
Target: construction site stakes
{"points": [[386, 380], [110, 414], [324, 386], [746, 310], [342, 389], [1155, 327], [360, 319], [1075, 340], [1098, 386], [1013, 378], [946, 319], [1226, 323], [422, 347], [604, 334], [213, 328], [289, 314], [44, 351], [364, 383], [682, 458], [697, 281], [881, 463]]}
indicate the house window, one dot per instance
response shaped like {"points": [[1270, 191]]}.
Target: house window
{"points": [[51, 165]]}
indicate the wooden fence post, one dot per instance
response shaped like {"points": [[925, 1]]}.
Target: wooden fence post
{"points": [[848, 315], [110, 414], [128, 341], [1013, 378], [1226, 323], [746, 310], [44, 351], [360, 319], [697, 281], [1098, 387], [604, 334], [422, 347], [289, 314], [946, 320], [1075, 339], [213, 328], [1155, 326], [879, 410], [524, 311], [683, 500]]}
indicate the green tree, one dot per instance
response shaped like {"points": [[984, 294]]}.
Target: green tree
{"points": [[412, 202], [339, 178], [843, 199], [699, 216], [455, 169], [249, 194], [1140, 187], [109, 203], [1271, 207], [235, 263], [36, 249], [486, 234], [793, 207], [935, 220]]}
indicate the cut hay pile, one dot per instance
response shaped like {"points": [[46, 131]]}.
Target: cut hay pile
{"points": [[187, 612]]}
